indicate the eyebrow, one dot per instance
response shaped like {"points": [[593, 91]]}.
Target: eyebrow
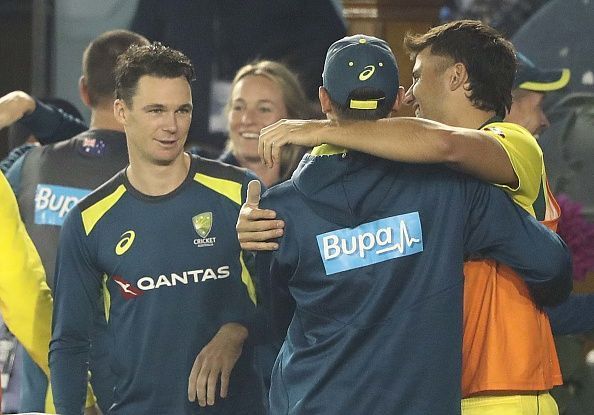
{"points": [[153, 106], [260, 101], [161, 106], [186, 107]]}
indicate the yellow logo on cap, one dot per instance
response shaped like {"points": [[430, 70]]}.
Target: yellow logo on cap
{"points": [[125, 243], [367, 73]]}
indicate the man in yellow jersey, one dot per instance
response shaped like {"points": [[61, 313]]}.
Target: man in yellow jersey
{"points": [[455, 83], [25, 298]]}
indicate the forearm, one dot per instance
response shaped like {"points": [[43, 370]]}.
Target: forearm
{"points": [[50, 124], [69, 370], [415, 140]]}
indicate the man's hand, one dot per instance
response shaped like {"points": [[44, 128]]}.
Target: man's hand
{"points": [[307, 133], [216, 360], [13, 106], [256, 227]]}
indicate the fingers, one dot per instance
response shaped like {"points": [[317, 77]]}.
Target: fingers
{"points": [[225, 374], [201, 385], [259, 225], [193, 379], [253, 193], [259, 246], [211, 388], [271, 141]]}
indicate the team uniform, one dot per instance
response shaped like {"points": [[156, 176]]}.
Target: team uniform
{"points": [[508, 344], [171, 274], [369, 280], [48, 182]]}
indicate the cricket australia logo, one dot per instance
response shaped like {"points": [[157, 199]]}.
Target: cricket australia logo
{"points": [[371, 243], [203, 225]]}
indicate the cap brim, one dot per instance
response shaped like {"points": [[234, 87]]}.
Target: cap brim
{"points": [[551, 81]]}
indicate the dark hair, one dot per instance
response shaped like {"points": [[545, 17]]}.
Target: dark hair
{"points": [[154, 59], [384, 106], [99, 61], [490, 60]]}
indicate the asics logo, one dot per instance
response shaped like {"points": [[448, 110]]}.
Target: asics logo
{"points": [[367, 73], [125, 243]]}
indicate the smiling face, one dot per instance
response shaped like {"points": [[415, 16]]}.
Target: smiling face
{"points": [[428, 93], [158, 119], [256, 102]]}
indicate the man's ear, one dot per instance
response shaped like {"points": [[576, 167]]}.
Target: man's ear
{"points": [[83, 91], [325, 101], [458, 76], [398, 102], [119, 111]]}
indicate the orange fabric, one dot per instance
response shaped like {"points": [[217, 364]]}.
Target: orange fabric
{"points": [[507, 343]]}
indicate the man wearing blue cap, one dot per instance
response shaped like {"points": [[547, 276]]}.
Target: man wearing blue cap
{"points": [[368, 277], [530, 86]]}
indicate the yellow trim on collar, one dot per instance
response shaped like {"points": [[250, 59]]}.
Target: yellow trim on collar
{"points": [[548, 86], [327, 150]]}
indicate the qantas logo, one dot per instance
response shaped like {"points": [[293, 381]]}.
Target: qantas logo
{"points": [[148, 283], [126, 288]]}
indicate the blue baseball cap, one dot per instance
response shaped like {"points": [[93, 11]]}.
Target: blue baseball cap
{"points": [[360, 61], [532, 78]]}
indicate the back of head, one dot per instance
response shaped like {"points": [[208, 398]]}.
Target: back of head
{"points": [[153, 59], [99, 61], [361, 77], [294, 98], [489, 60]]}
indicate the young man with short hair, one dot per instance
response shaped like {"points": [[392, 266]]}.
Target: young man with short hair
{"points": [[157, 242]]}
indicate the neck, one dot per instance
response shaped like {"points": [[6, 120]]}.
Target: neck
{"points": [[157, 180], [269, 176], [469, 117], [102, 119]]}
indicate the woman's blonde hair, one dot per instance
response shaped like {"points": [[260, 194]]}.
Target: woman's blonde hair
{"points": [[295, 100]]}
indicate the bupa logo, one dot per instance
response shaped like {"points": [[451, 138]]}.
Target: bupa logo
{"points": [[371, 243], [53, 202]]}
